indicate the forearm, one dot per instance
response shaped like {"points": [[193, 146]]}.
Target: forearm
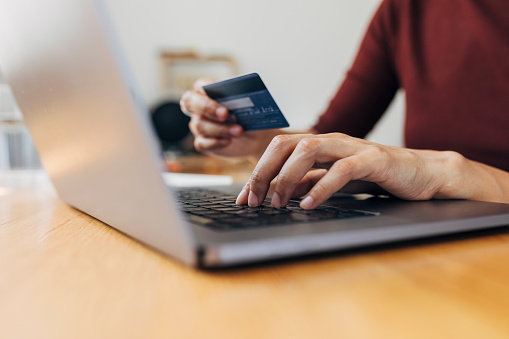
{"points": [[466, 179]]}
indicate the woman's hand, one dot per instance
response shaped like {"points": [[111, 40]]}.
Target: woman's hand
{"points": [[405, 173], [213, 133]]}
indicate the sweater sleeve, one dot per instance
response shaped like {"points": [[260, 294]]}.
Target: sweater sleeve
{"points": [[370, 84]]}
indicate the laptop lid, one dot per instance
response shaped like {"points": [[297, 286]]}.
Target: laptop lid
{"points": [[87, 119]]}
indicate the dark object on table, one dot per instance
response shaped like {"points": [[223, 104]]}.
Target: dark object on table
{"points": [[171, 126]]}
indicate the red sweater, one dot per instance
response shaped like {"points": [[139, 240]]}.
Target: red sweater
{"points": [[451, 57]]}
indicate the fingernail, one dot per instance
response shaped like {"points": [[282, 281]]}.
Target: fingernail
{"points": [[235, 131], [221, 113], [242, 198], [307, 203], [252, 199], [276, 200]]}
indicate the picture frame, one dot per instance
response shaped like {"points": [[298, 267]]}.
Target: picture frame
{"points": [[180, 70]]}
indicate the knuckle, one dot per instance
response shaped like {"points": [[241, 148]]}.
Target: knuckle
{"points": [[344, 167], [338, 135], [186, 97], [209, 104], [375, 152], [256, 179], [197, 103], [320, 190], [200, 128], [198, 84], [194, 125], [193, 129], [198, 145], [308, 145], [283, 181], [279, 141], [452, 156]]}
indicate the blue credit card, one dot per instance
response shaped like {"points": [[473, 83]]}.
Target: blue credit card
{"points": [[248, 101]]}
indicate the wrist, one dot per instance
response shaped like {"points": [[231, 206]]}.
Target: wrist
{"points": [[462, 178], [451, 175]]}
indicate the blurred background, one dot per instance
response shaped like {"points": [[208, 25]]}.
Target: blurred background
{"points": [[302, 51]]}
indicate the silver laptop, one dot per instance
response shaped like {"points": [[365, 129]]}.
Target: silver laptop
{"points": [[93, 135]]}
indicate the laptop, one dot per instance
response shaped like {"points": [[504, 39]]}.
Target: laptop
{"points": [[93, 134]]}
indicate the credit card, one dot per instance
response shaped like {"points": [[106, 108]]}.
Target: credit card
{"points": [[248, 101]]}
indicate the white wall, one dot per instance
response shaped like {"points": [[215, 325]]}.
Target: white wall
{"points": [[301, 49]]}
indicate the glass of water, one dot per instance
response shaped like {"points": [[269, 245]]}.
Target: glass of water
{"points": [[16, 148]]}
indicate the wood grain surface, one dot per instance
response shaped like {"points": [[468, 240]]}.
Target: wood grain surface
{"points": [[66, 275]]}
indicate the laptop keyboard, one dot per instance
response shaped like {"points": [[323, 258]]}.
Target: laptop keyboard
{"points": [[217, 210]]}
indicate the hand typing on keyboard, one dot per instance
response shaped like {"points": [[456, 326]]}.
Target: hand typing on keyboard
{"points": [[408, 174]]}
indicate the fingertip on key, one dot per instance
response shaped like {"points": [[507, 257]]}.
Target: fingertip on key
{"points": [[242, 197], [307, 203], [276, 200], [253, 200]]}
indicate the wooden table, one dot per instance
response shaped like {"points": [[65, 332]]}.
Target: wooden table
{"points": [[66, 275]]}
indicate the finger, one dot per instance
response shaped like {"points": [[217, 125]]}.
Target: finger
{"points": [[200, 104], [315, 151], [203, 144], [198, 85], [269, 165], [204, 127], [242, 198], [296, 167], [303, 187], [309, 180], [342, 172], [338, 146]]}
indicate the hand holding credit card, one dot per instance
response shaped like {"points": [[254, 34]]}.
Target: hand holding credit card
{"points": [[248, 101]]}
